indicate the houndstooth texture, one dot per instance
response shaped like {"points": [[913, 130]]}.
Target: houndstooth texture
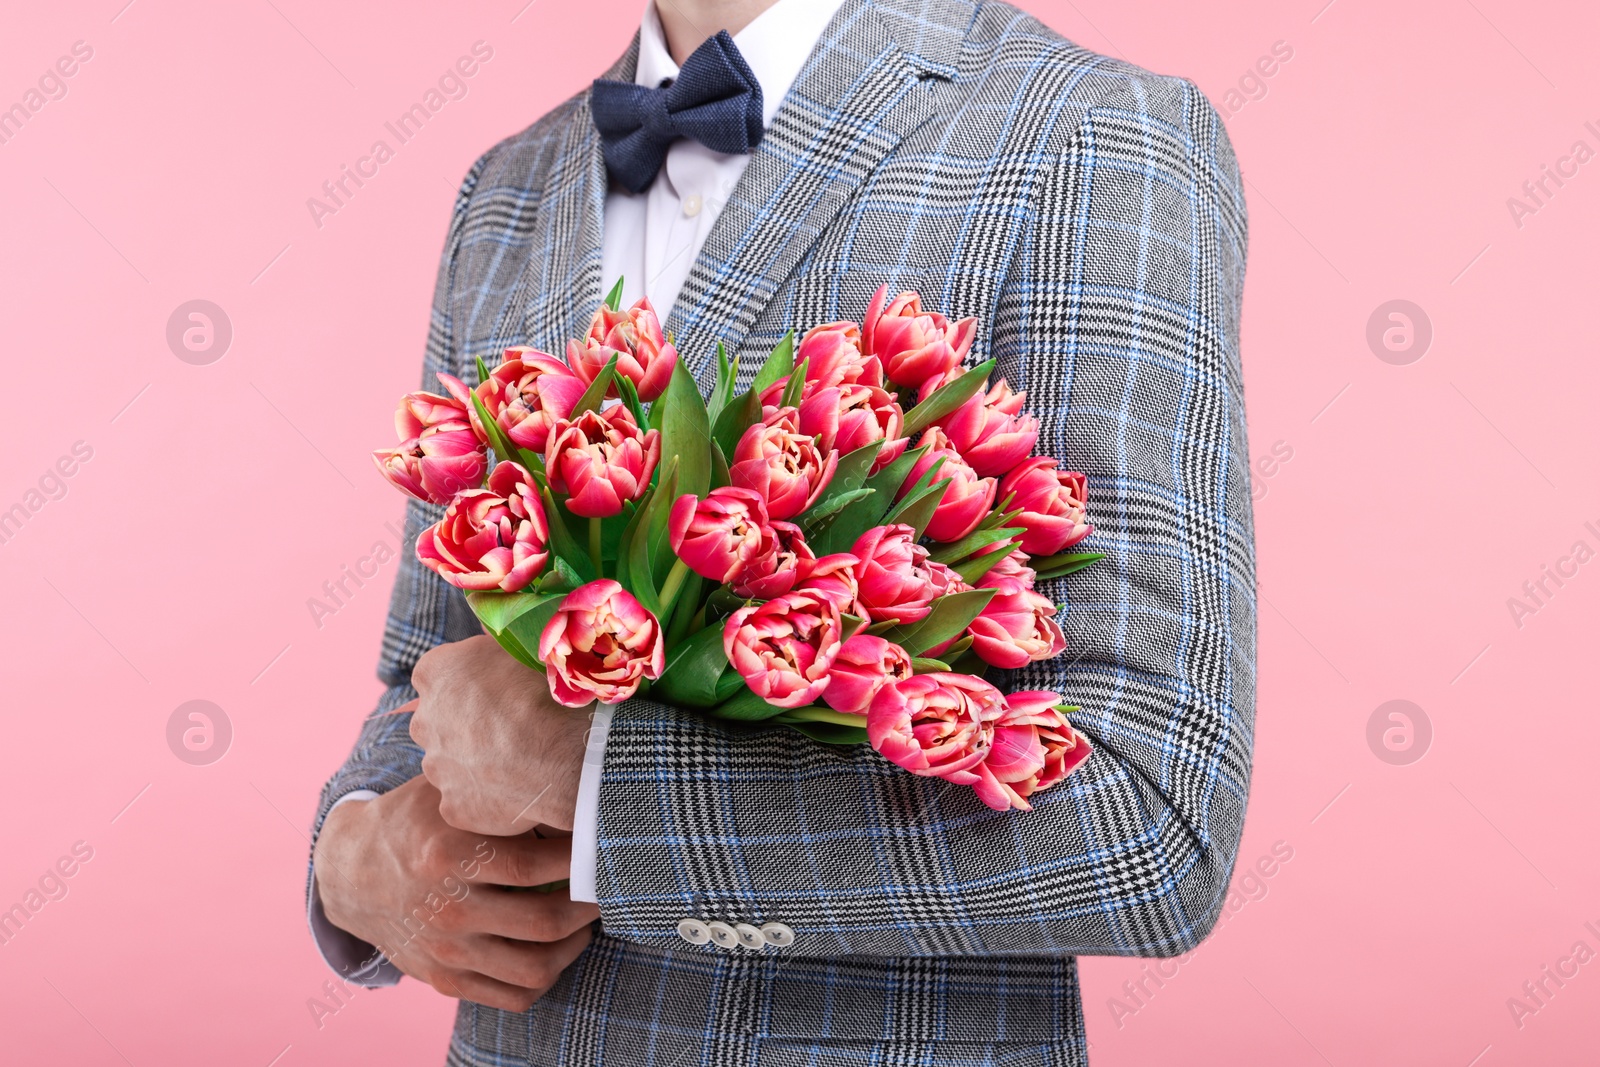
{"points": [[1090, 215]]}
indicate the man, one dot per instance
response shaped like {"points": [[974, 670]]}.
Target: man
{"points": [[764, 899]]}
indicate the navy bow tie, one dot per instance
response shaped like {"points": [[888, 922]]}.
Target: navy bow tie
{"points": [[715, 100]]}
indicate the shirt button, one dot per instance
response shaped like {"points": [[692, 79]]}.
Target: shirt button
{"points": [[750, 936], [691, 205], [778, 935], [694, 931], [722, 934]]}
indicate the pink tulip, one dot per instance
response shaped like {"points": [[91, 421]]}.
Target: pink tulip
{"points": [[527, 394], [1053, 505], [912, 344], [832, 356], [834, 578], [967, 497], [775, 459], [1014, 565], [1018, 626], [784, 648], [644, 355], [892, 574], [776, 567], [438, 455], [1004, 399], [601, 460], [1034, 748], [938, 725], [493, 538], [865, 664], [851, 416], [722, 535], [600, 645], [990, 438]]}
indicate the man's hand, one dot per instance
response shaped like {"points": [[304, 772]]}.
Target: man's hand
{"points": [[432, 898], [504, 755]]}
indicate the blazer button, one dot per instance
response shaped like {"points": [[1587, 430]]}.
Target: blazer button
{"points": [[722, 935], [778, 935], [750, 936], [694, 931]]}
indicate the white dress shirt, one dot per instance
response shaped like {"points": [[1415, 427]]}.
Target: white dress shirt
{"points": [[651, 240]]}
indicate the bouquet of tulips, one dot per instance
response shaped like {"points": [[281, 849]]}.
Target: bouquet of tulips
{"points": [[844, 548]]}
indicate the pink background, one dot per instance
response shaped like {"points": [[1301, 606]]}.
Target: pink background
{"points": [[1418, 498]]}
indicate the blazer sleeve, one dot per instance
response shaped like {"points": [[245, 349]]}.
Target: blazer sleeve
{"points": [[423, 610], [1120, 315]]}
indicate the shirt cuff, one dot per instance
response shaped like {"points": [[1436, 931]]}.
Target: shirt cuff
{"points": [[350, 957], [586, 816]]}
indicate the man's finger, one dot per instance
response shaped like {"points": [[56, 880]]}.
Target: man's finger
{"points": [[526, 965], [525, 861], [525, 916], [481, 989]]}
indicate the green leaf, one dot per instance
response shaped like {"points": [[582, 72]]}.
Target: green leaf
{"points": [[724, 601], [746, 706], [1001, 515], [596, 393], [686, 432], [816, 519], [517, 652], [502, 445], [563, 544], [917, 508], [692, 669], [686, 607], [778, 365], [969, 663], [830, 733], [720, 474], [970, 544], [559, 577], [630, 397], [796, 386], [1059, 566], [496, 610], [742, 412], [927, 665], [641, 567], [976, 567], [528, 627], [849, 475], [730, 682], [614, 298], [889, 480], [722, 391], [950, 615], [625, 541], [956, 650], [686, 436], [946, 399]]}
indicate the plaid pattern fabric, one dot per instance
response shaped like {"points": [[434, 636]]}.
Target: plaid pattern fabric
{"points": [[1090, 215]]}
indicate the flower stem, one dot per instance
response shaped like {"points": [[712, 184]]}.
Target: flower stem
{"points": [[826, 715], [674, 582], [594, 547]]}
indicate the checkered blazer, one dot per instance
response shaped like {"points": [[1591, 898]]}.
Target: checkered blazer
{"points": [[1090, 215]]}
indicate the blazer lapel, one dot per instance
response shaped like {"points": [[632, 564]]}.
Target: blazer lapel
{"points": [[859, 95], [560, 286]]}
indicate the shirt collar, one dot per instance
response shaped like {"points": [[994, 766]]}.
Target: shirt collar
{"points": [[776, 45]]}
